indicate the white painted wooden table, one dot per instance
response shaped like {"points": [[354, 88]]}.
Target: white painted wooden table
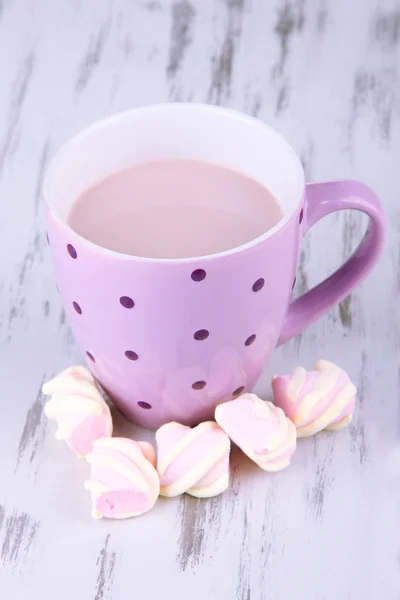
{"points": [[327, 74]]}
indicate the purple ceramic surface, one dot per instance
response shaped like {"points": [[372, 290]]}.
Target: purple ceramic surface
{"points": [[171, 339]]}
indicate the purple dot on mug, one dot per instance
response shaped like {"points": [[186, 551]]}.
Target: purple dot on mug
{"points": [[90, 355], [77, 308], [250, 340], [258, 285], [238, 391], [201, 334], [126, 302], [199, 385], [198, 275], [294, 283], [145, 405], [301, 215], [131, 355], [71, 251]]}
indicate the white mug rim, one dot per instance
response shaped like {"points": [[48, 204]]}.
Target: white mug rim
{"points": [[120, 116]]}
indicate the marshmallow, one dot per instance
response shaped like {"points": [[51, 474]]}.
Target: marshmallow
{"points": [[316, 400], [195, 460], [124, 482], [79, 409], [260, 429]]}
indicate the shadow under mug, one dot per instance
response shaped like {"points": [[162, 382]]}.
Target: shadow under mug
{"points": [[170, 339]]}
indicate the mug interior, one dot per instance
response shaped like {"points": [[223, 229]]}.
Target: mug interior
{"points": [[175, 131]]}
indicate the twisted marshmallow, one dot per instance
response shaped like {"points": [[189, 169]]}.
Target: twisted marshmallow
{"points": [[195, 460], [79, 409], [316, 400], [124, 482], [260, 429]]}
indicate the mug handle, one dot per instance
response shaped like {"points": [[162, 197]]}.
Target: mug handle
{"points": [[321, 199]]}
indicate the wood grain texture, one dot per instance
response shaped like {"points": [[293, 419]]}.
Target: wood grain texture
{"points": [[326, 73]]}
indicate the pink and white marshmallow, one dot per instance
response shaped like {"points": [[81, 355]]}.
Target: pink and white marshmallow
{"points": [[76, 404], [123, 480], [195, 461], [315, 400], [260, 429]]}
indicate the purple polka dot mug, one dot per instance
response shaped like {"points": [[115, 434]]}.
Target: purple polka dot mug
{"points": [[169, 339]]}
